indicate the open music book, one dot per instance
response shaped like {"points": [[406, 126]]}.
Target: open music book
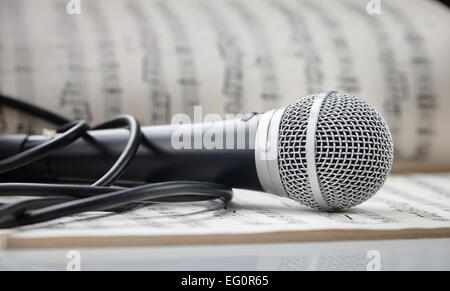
{"points": [[409, 206], [154, 59]]}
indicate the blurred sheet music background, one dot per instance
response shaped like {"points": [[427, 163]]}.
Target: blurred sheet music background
{"points": [[156, 58]]}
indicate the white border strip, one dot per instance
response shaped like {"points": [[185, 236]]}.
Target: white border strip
{"points": [[311, 149]]}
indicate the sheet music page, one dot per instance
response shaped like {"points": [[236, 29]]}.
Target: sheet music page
{"points": [[157, 58], [415, 205]]}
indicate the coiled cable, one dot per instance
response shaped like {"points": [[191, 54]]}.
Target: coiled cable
{"points": [[60, 200]]}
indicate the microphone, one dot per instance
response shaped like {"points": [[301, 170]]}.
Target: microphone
{"points": [[328, 151]]}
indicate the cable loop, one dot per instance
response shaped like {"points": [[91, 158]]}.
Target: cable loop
{"points": [[60, 200]]}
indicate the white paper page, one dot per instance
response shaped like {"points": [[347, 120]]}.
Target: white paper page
{"points": [[155, 58]]}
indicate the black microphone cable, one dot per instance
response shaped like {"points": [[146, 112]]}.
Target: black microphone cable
{"points": [[60, 200]]}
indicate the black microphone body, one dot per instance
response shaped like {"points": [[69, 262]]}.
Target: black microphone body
{"points": [[157, 159]]}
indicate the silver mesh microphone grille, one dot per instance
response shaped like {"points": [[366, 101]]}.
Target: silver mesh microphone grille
{"points": [[353, 151]]}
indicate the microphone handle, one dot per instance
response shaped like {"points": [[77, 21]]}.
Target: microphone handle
{"points": [[187, 152]]}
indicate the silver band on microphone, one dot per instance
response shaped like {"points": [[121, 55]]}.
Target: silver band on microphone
{"points": [[311, 149], [266, 152]]}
